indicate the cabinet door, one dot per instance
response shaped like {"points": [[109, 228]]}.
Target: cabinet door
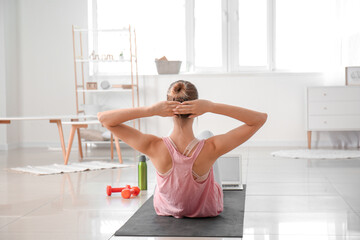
{"points": [[334, 94], [334, 108], [334, 123]]}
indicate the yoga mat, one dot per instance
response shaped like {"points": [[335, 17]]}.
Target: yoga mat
{"points": [[229, 223]]}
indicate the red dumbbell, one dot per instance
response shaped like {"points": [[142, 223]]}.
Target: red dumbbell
{"points": [[126, 191]]}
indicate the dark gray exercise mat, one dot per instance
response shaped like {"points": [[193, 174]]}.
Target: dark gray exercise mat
{"points": [[229, 223]]}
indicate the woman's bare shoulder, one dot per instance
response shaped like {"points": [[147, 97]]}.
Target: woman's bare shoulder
{"points": [[208, 151], [161, 157]]}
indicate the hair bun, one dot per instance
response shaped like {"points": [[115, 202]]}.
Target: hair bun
{"points": [[179, 89]]}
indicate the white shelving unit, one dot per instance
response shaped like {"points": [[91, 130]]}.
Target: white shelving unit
{"points": [[80, 59], [86, 59]]}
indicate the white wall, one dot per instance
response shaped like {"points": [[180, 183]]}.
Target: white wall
{"points": [[12, 70], [46, 84], [9, 70], [282, 96], [43, 74], [3, 130]]}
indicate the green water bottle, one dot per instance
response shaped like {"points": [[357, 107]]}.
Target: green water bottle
{"points": [[142, 173]]}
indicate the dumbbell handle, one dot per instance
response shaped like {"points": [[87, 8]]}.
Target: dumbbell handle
{"points": [[117, 189], [110, 190]]}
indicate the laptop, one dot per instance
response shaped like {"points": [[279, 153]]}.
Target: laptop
{"points": [[230, 168]]}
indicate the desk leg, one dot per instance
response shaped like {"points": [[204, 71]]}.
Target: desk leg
{"points": [[79, 143], [79, 138], [71, 139], [309, 139], [61, 134], [117, 144], [112, 146]]}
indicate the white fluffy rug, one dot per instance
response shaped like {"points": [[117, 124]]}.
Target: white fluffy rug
{"points": [[73, 167], [317, 154]]}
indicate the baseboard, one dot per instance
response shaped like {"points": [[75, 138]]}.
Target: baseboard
{"points": [[54, 146], [42, 145], [297, 144], [275, 144], [57, 147], [10, 146]]}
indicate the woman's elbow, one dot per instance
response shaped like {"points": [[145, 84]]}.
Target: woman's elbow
{"points": [[102, 119], [263, 118], [260, 119], [100, 116], [105, 120]]}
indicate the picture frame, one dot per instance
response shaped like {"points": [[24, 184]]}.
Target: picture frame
{"points": [[352, 75], [91, 85]]}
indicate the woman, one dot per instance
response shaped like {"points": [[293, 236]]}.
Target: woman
{"points": [[185, 180]]}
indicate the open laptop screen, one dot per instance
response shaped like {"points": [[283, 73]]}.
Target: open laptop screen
{"points": [[230, 168]]}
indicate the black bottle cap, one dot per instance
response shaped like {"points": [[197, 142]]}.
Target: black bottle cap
{"points": [[142, 158]]}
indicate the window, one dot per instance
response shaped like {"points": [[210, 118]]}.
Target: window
{"points": [[208, 35], [159, 25], [252, 19], [229, 35]]}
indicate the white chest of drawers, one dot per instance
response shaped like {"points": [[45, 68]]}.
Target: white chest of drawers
{"points": [[335, 108]]}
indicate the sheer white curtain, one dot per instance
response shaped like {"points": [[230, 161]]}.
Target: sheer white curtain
{"points": [[348, 20], [159, 24], [307, 35], [350, 32]]}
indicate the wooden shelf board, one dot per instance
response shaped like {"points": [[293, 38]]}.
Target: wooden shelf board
{"points": [[101, 30], [102, 142], [101, 61], [104, 90]]}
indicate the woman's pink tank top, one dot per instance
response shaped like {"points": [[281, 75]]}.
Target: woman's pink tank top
{"points": [[179, 195]]}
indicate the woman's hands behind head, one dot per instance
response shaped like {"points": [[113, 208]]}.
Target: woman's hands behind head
{"points": [[195, 107], [164, 108]]}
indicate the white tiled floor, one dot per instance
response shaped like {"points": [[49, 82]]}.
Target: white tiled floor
{"points": [[287, 199]]}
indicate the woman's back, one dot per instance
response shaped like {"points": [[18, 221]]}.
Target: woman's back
{"points": [[162, 160], [178, 194]]}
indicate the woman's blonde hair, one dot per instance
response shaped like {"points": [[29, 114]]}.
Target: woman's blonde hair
{"points": [[182, 91]]}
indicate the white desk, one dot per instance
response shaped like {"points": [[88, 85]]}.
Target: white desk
{"points": [[62, 117], [72, 120]]}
